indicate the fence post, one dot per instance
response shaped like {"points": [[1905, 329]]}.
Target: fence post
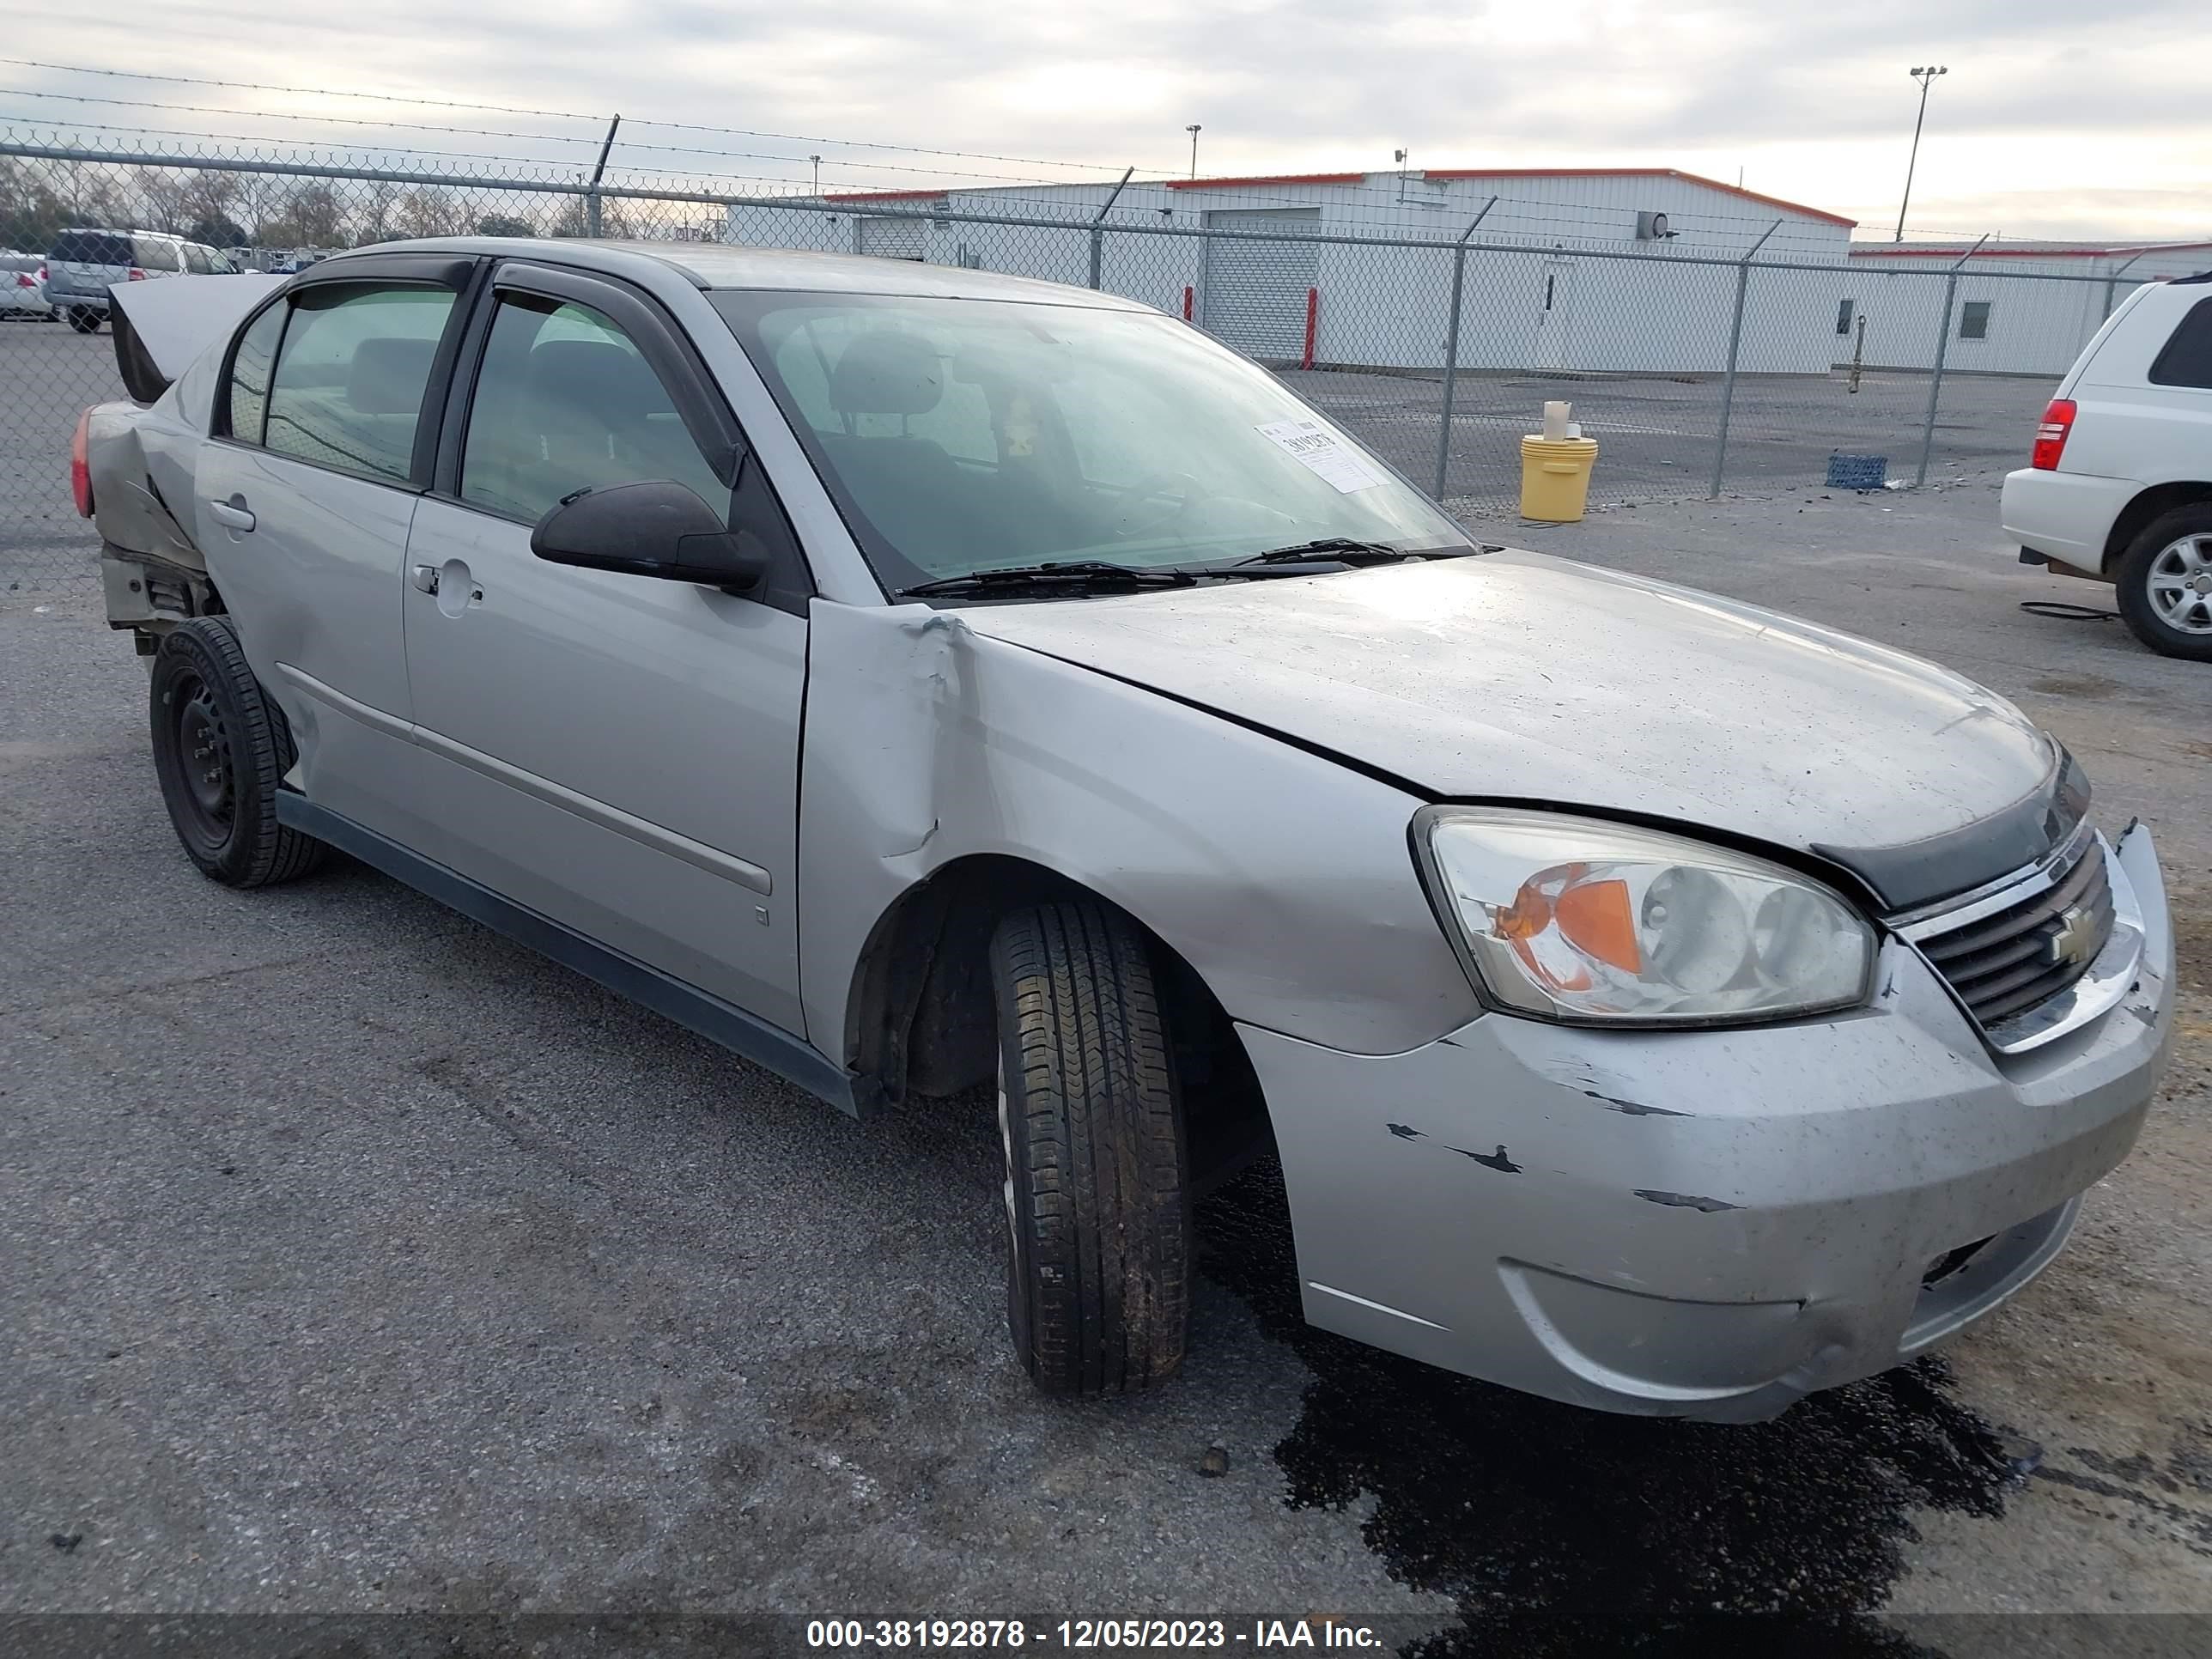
{"points": [[1098, 221], [592, 217], [1451, 349], [2112, 279], [1735, 343], [1942, 348]]}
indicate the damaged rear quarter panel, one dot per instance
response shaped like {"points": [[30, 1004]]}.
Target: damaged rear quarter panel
{"points": [[1284, 879]]}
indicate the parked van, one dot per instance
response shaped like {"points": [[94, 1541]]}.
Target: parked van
{"points": [[84, 263]]}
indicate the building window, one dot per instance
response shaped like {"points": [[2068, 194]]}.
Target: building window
{"points": [[1844, 311], [1974, 320]]}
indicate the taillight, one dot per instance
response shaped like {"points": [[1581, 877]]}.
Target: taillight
{"points": [[136, 275], [23, 280], [80, 467], [2050, 436], [43, 277]]}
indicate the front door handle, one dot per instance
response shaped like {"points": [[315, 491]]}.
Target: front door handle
{"points": [[425, 578], [234, 514]]}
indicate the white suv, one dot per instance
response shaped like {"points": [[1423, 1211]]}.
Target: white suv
{"points": [[2120, 483]]}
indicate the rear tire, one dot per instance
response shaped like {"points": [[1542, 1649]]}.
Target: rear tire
{"points": [[2164, 583], [220, 749], [1098, 1222], [84, 320]]}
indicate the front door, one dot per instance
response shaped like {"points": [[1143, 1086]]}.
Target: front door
{"points": [[618, 753]]}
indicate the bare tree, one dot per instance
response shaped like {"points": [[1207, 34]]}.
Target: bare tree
{"points": [[211, 207], [162, 192], [310, 217], [427, 210], [372, 215]]}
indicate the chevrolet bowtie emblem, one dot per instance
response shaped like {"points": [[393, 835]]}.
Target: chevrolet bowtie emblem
{"points": [[2075, 941]]}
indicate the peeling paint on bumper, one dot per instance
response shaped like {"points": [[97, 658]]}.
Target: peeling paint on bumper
{"points": [[1703, 1224]]}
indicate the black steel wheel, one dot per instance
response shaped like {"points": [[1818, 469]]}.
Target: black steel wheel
{"points": [[220, 749]]}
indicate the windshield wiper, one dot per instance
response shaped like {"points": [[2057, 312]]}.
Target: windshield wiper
{"points": [[1072, 572], [1335, 550]]}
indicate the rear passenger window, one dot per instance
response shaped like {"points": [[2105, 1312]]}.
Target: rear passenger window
{"points": [[348, 387], [2186, 359], [246, 400], [157, 256], [565, 401]]}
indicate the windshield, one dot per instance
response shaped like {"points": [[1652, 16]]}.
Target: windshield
{"points": [[958, 435]]}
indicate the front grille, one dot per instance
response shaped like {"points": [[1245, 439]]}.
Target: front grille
{"points": [[2004, 964]]}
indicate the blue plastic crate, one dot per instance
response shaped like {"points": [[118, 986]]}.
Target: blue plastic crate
{"points": [[1857, 471]]}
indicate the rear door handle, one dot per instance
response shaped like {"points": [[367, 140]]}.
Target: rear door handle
{"points": [[425, 578], [233, 512]]}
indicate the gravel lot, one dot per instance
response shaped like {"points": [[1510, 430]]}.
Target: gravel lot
{"points": [[360, 1261]]}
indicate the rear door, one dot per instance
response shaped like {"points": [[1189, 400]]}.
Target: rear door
{"points": [[615, 753], [302, 499]]}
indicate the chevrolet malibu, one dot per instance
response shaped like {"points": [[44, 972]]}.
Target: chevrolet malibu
{"points": [[926, 681]]}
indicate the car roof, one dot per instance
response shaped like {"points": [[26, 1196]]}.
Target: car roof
{"points": [[725, 265]]}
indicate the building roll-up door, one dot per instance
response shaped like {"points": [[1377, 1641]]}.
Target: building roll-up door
{"points": [[895, 238], [1255, 295]]}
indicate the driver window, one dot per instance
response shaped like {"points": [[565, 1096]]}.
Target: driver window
{"points": [[565, 401]]}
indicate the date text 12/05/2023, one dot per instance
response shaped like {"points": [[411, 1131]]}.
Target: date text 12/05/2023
{"points": [[861, 1634]]}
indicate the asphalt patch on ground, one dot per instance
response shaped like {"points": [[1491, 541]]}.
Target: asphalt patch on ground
{"points": [[1563, 1531]]}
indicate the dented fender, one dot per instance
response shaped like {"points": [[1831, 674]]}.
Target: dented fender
{"points": [[1283, 878]]}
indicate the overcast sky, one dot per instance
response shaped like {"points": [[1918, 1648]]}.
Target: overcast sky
{"points": [[2058, 117]]}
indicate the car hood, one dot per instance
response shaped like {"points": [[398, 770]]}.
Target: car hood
{"points": [[1516, 677]]}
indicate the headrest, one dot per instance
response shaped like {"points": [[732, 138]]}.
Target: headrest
{"points": [[887, 372], [388, 376], [595, 374]]}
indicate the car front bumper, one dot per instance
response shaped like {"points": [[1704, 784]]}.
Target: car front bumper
{"points": [[1704, 1223]]}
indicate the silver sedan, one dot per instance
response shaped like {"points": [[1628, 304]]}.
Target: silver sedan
{"points": [[923, 681]]}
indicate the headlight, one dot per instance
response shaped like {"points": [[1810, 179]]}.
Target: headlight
{"points": [[1575, 919]]}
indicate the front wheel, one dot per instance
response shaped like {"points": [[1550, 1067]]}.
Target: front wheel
{"points": [[1097, 1220], [2164, 583], [84, 320], [221, 748]]}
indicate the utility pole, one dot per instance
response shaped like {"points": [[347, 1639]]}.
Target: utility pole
{"points": [[1192, 130], [1926, 77], [817, 173]]}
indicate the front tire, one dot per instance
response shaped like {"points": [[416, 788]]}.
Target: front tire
{"points": [[84, 320], [1098, 1222], [2164, 583], [220, 749]]}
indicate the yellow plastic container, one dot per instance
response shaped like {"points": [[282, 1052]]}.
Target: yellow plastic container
{"points": [[1555, 477]]}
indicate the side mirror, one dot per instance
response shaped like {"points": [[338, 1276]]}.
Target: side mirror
{"points": [[660, 529]]}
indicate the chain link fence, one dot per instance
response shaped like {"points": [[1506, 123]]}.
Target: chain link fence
{"points": [[1698, 371]]}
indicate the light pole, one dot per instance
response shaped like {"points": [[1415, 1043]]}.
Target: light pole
{"points": [[1926, 77], [1193, 130], [818, 173]]}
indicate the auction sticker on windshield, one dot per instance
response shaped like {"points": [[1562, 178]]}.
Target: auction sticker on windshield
{"points": [[1315, 448]]}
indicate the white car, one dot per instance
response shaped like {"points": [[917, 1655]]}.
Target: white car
{"points": [[23, 286], [2120, 485]]}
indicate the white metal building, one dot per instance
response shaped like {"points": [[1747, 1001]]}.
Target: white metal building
{"points": [[1586, 269], [2034, 319]]}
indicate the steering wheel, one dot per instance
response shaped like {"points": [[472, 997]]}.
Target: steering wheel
{"points": [[1189, 493]]}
